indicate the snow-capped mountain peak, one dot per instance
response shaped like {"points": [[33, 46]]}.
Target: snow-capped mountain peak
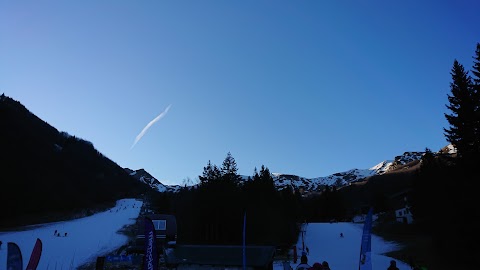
{"points": [[340, 179], [148, 179]]}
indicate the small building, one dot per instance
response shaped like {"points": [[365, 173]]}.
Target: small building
{"points": [[359, 212], [361, 218], [189, 257], [165, 231], [401, 206], [404, 215]]}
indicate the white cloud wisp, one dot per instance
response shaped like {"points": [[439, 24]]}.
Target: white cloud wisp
{"points": [[156, 119]]}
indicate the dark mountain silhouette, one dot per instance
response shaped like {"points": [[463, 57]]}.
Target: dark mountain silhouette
{"points": [[48, 175]]}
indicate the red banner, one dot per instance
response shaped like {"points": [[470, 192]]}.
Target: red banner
{"points": [[35, 256]]}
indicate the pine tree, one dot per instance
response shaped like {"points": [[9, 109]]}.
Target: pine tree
{"points": [[424, 181], [476, 66], [476, 92], [462, 118], [267, 180], [210, 174], [229, 169], [256, 176], [229, 165]]}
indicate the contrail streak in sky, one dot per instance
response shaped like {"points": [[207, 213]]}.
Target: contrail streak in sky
{"points": [[160, 116]]}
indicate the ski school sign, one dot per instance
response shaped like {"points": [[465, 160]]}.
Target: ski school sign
{"points": [[151, 255]]}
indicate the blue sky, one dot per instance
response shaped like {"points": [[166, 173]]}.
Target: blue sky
{"points": [[303, 87]]}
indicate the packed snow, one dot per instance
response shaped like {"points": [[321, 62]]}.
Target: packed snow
{"points": [[86, 238], [98, 235], [324, 243]]}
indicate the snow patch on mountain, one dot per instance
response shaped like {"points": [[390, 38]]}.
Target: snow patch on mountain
{"points": [[143, 176], [339, 179]]}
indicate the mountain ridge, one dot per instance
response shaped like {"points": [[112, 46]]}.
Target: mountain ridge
{"points": [[408, 160], [63, 174]]}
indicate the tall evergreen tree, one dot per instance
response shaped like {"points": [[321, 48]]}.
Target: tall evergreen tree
{"points": [[229, 165], [210, 173], [461, 132], [423, 179], [229, 169], [476, 65], [267, 180], [256, 176], [464, 134], [476, 91]]}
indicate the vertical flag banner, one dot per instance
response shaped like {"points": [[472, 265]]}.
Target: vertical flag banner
{"points": [[35, 256], [14, 257], [366, 246], [295, 254], [244, 241], [151, 256]]}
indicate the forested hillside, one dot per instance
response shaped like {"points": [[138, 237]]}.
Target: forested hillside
{"points": [[213, 212], [47, 174]]}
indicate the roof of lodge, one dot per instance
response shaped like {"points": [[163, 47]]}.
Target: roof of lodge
{"points": [[256, 256]]}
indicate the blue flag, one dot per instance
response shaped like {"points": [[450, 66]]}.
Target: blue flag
{"points": [[14, 257], [150, 256], [366, 246]]}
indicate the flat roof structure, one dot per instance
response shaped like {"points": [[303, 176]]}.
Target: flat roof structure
{"points": [[219, 257]]}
